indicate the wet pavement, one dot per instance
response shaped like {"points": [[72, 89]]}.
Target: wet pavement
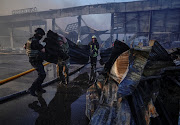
{"points": [[60, 105], [14, 64]]}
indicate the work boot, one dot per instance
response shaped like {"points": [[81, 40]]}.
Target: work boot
{"points": [[60, 84], [32, 92], [34, 106], [64, 82], [41, 90]]}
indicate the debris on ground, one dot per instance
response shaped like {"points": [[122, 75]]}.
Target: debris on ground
{"points": [[142, 88]]}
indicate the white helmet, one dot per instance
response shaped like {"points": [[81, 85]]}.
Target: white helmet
{"points": [[94, 37], [78, 41]]}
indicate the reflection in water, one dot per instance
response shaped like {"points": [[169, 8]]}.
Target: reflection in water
{"points": [[58, 111], [92, 76]]}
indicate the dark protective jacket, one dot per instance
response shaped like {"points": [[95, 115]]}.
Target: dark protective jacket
{"points": [[33, 47], [94, 47]]}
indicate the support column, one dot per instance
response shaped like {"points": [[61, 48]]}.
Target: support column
{"points": [[79, 27], [30, 28], [117, 36], [179, 32], [150, 25], [53, 24], [45, 27], [53, 29], [165, 20], [125, 29], [138, 23], [112, 27], [11, 37]]}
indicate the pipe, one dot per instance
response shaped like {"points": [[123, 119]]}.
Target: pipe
{"points": [[19, 75], [15, 95]]}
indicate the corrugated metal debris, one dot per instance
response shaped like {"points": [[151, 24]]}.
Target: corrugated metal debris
{"points": [[141, 89]]}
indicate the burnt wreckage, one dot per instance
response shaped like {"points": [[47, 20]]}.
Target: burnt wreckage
{"points": [[52, 50], [142, 88]]}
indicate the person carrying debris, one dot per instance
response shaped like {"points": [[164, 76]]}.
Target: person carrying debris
{"points": [[63, 65], [36, 54], [94, 47]]}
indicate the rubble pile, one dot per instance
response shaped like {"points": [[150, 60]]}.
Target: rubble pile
{"points": [[142, 88]]}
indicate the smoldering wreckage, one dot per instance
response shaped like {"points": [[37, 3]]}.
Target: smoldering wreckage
{"points": [[141, 87]]}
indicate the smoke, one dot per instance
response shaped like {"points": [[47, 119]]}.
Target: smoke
{"points": [[99, 21], [6, 6]]}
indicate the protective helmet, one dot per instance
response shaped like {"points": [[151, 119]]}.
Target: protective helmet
{"points": [[94, 37], [78, 41], [39, 31]]}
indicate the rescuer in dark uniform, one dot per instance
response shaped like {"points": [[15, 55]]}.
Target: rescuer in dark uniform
{"points": [[63, 63], [36, 54], [94, 47]]}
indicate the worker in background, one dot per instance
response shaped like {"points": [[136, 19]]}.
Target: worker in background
{"points": [[94, 47], [63, 65], [36, 54]]}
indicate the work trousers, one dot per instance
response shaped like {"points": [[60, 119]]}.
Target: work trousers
{"points": [[37, 64], [62, 71], [93, 61]]}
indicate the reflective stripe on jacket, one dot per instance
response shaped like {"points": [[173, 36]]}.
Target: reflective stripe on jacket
{"points": [[94, 51], [30, 52]]}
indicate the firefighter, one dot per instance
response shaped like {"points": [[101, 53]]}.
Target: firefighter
{"points": [[63, 64], [36, 54], [94, 47]]}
